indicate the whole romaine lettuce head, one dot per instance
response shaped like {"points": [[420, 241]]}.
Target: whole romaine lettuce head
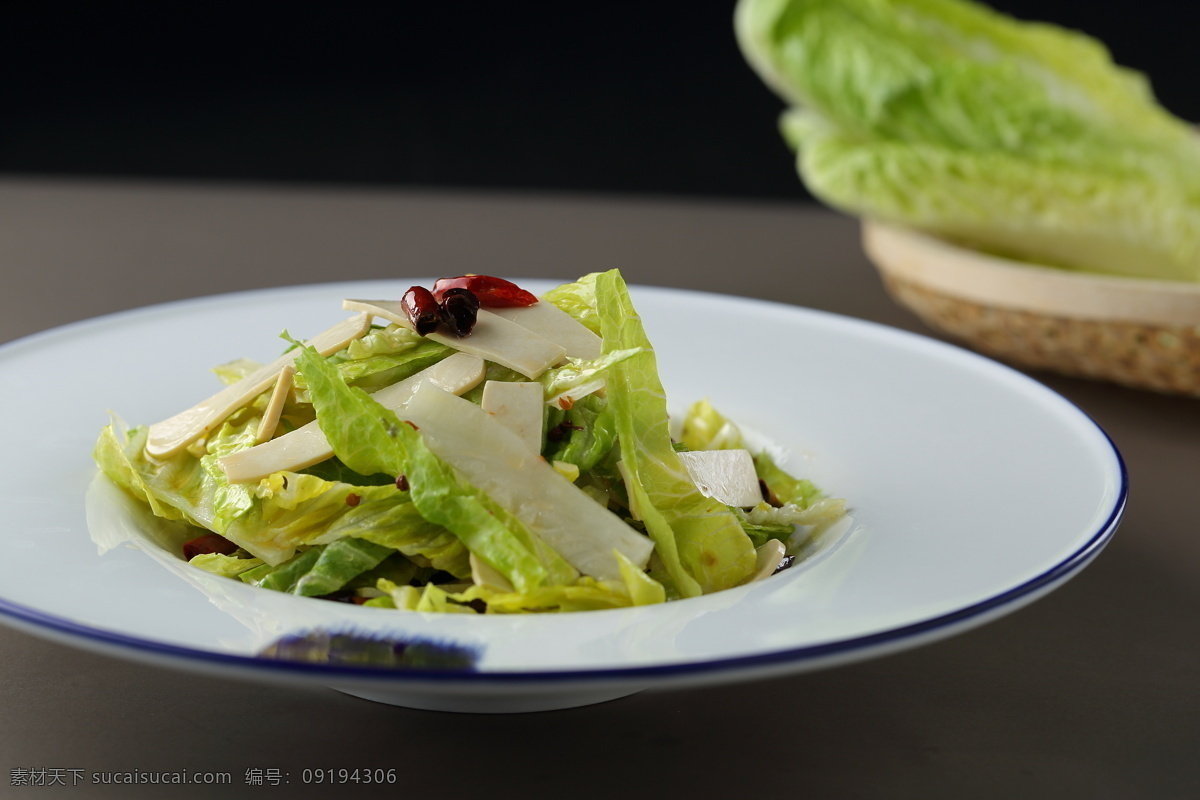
{"points": [[1022, 139]]}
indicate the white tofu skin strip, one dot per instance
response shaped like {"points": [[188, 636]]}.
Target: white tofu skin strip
{"points": [[172, 435], [551, 322], [495, 460], [518, 407], [307, 445], [493, 338], [270, 417]]}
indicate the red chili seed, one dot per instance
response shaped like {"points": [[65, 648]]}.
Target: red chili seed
{"points": [[353, 499], [422, 309], [492, 292], [208, 543]]}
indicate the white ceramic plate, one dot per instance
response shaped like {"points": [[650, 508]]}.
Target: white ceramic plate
{"points": [[974, 489]]}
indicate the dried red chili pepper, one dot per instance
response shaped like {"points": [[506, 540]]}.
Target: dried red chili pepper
{"points": [[460, 307], [208, 543], [492, 292], [422, 309]]}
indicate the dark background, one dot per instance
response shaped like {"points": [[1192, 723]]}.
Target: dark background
{"points": [[649, 98]]}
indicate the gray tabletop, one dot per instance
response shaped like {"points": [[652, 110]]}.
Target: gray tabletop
{"points": [[1089, 692]]}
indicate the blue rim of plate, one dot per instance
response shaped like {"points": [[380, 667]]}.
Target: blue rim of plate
{"points": [[797, 656]]}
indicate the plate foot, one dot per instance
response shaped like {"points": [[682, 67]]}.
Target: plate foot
{"points": [[489, 704]]}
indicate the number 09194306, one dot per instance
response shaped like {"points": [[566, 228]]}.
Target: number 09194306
{"points": [[357, 775]]}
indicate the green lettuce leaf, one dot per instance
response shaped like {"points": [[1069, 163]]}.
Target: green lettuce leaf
{"points": [[333, 470], [699, 541], [391, 340], [399, 526], [223, 565], [705, 428], [1018, 138], [320, 570], [430, 597], [643, 590], [761, 534], [579, 300], [786, 488], [183, 487], [583, 434], [580, 377], [292, 510], [585, 594], [116, 453]]}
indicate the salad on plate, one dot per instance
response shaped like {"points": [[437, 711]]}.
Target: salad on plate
{"points": [[469, 448]]}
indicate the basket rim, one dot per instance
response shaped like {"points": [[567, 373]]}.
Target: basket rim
{"points": [[939, 265]]}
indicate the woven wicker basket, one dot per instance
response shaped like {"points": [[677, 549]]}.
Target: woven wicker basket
{"points": [[1134, 332]]}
